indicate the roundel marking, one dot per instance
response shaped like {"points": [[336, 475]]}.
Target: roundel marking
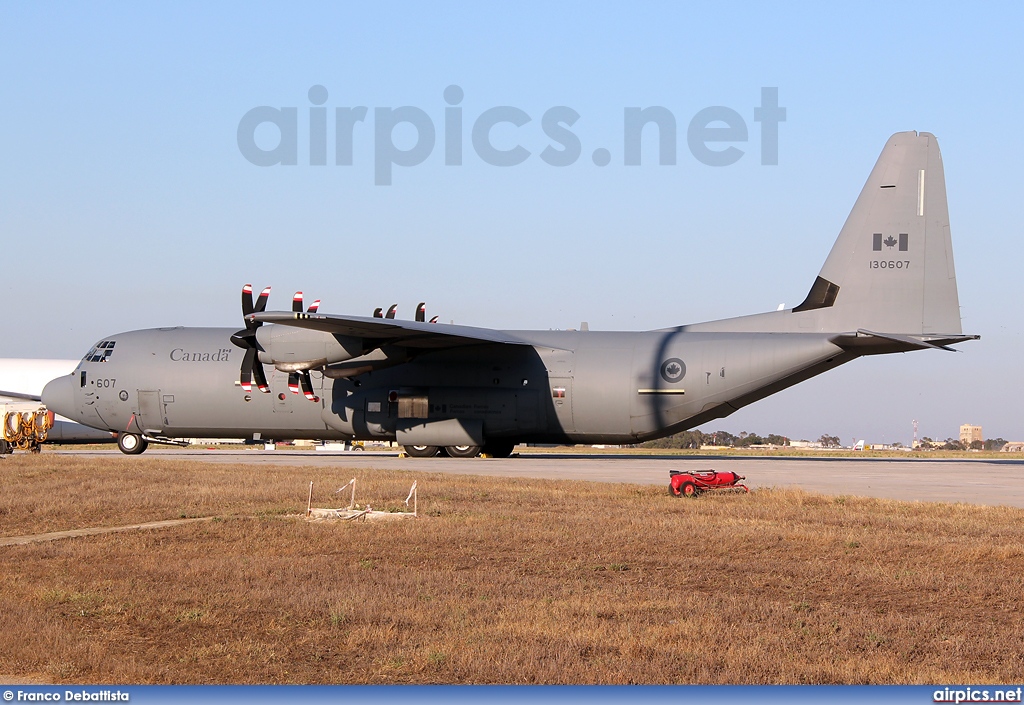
{"points": [[673, 369], [122, 395]]}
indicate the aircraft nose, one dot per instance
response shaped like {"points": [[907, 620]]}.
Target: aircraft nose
{"points": [[59, 396]]}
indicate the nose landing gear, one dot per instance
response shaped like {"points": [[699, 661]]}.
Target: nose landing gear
{"points": [[131, 443]]}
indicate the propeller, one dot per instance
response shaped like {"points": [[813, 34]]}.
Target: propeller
{"points": [[297, 304], [303, 380], [246, 339], [421, 313], [252, 368]]}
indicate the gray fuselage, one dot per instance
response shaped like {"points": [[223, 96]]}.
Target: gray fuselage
{"points": [[568, 386]]}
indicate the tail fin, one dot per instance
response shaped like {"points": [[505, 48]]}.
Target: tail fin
{"points": [[891, 269]]}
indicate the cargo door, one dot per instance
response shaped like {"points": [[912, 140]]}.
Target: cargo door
{"points": [[150, 416], [560, 365]]}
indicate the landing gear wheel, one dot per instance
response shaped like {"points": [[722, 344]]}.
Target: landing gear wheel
{"points": [[421, 451], [463, 451], [131, 443], [499, 449]]}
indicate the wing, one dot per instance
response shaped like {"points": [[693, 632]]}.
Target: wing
{"points": [[389, 331], [19, 395]]}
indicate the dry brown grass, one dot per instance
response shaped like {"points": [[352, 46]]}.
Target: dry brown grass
{"points": [[504, 581]]}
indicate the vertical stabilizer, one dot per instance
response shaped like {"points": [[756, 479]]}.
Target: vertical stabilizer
{"points": [[891, 269]]}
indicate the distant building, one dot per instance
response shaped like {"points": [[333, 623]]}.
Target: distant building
{"points": [[1013, 447], [969, 434]]}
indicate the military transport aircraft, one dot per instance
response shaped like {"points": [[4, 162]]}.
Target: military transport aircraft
{"points": [[887, 286]]}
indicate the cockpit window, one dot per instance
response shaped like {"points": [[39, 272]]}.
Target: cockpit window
{"points": [[100, 352]]}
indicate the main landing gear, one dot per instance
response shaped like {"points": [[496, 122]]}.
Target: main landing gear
{"points": [[497, 449]]}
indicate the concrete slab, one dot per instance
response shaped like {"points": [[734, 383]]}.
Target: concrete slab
{"points": [[985, 482]]}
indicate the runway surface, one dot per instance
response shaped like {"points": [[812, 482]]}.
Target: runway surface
{"points": [[984, 482]]}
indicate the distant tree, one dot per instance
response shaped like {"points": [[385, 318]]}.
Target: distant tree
{"points": [[827, 441], [952, 444], [691, 439], [995, 443], [897, 444], [749, 439], [685, 439], [977, 445], [776, 440], [723, 438]]}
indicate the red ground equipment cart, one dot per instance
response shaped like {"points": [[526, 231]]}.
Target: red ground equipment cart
{"points": [[690, 484]]}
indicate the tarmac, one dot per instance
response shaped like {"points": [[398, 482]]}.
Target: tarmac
{"points": [[993, 482]]}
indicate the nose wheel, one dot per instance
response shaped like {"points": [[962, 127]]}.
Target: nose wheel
{"points": [[131, 443]]}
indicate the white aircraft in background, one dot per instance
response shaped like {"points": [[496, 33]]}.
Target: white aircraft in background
{"points": [[25, 378], [22, 380]]}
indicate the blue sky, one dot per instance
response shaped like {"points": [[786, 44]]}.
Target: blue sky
{"points": [[126, 203]]}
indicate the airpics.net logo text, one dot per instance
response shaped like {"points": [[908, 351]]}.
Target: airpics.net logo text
{"points": [[711, 134]]}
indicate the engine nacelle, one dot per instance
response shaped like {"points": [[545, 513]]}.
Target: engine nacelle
{"points": [[291, 349]]}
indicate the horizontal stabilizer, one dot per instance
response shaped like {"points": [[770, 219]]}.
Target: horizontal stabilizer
{"points": [[866, 341]]}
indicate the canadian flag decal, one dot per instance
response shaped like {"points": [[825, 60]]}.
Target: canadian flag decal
{"points": [[890, 242]]}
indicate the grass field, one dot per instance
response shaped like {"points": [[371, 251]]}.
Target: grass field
{"points": [[500, 581]]}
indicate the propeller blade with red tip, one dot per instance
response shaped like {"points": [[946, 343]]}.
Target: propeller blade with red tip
{"points": [[434, 319], [261, 302], [293, 382], [391, 311], [378, 312], [246, 300], [313, 306], [297, 302], [307, 385], [260, 376], [421, 312], [246, 375]]}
